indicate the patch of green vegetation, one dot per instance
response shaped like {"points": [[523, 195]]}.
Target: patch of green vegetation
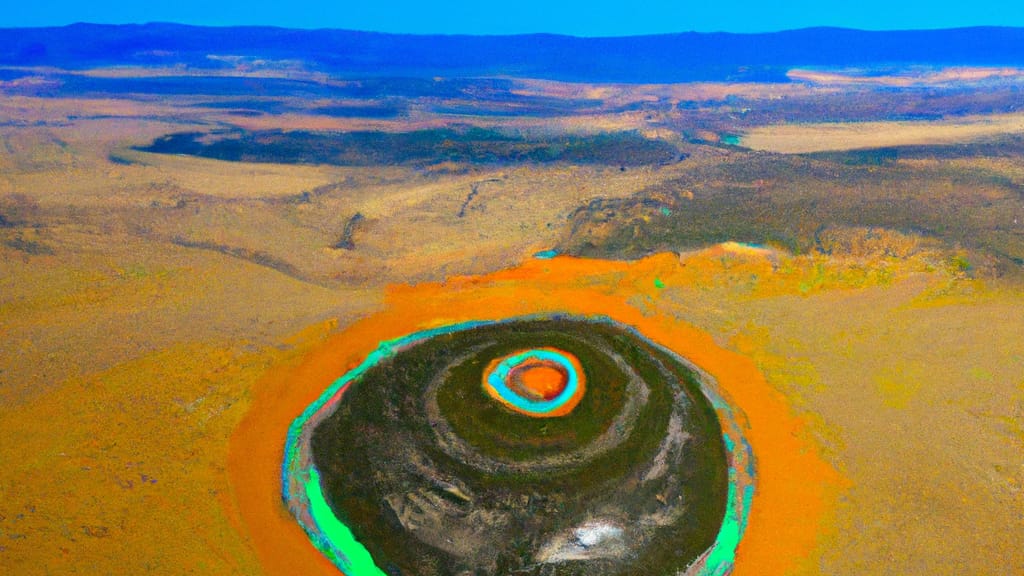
{"points": [[789, 201], [815, 281], [869, 157], [960, 264], [472, 145], [134, 271]]}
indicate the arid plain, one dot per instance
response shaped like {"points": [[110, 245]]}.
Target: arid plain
{"points": [[859, 241]]}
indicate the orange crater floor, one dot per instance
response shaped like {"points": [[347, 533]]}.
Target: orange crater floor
{"points": [[541, 382]]}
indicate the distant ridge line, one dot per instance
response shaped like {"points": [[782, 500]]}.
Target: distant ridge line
{"points": [[684, 56], [162, 24]]}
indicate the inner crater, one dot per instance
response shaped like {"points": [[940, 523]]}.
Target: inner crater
{"points": [[539, 381]]}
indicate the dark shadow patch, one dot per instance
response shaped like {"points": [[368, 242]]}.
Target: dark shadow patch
{"points": [[422, 147], [346, 241], [31, 247], [257, 257]]}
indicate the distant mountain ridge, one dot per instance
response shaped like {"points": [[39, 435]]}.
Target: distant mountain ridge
{"points": [[687, 56]]}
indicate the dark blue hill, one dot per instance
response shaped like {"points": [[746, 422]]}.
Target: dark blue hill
{"points": [[662, 58]]}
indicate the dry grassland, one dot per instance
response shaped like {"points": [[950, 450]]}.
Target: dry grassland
{"points": [[818, 137], [142, 299], [911, 77]]}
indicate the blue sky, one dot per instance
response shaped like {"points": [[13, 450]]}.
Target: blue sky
{"points": [[595, 18]]}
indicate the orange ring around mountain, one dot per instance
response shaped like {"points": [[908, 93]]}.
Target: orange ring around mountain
{"points": [[796, 490]]}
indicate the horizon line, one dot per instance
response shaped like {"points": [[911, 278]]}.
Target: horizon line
{"points": [[509, 35]]}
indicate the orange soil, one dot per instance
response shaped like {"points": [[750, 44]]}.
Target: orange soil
{"points": [[796, 490], [543, 382]]}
